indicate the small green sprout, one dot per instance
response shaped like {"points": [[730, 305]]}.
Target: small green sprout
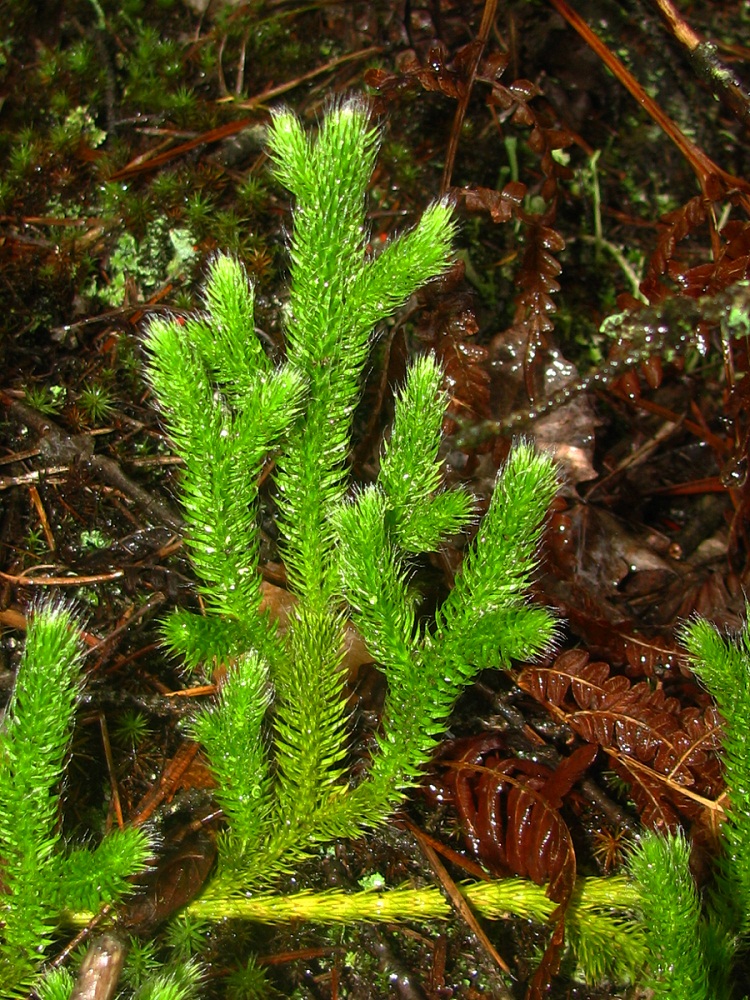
{"points": [[35, 541], [252, 194], [187, 936], [374, 881], [132, 728], [96, 401], [48, 399], [248, 983]]}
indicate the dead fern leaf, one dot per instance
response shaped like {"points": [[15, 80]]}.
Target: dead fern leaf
{"points": [[668, 754]]}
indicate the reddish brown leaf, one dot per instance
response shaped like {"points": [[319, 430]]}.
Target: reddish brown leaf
{"points": [[447, 324], [660, 747]]}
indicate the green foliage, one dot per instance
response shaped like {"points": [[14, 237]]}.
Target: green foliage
{"points": [[410, 474], [672, 913], [252, 193], [22, 157], [88, 878], [223, 430], [47, 399], [277, 735], [182, 982], [336, 298], [56, 985], [426, 670], [198, 210], [247, 983], [142, 964], [231, 734], [40, 878], [694, 945], [186, 936], [227, 408], [601, 930], [724, 667], [486, 607], [131, 728], [153, 67], [96, 401]]}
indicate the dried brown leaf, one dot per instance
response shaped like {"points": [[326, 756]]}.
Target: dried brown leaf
{"points": [[668, 753]]}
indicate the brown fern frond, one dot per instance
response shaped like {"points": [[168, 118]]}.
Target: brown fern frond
{"points": [[732, 264], [439, 74], [667, 753], [539, 268], [537, 279], [501, 206], [509, 810], [509, 807], [446, 325], [673, 228], [513, 103]]}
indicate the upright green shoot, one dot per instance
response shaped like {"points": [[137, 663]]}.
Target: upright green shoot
{"points": [[694, 946], [228, 408], [40, 878], [672, 914], [724, 667]]}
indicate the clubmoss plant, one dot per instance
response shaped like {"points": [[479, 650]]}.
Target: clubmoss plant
{"points": [[41, 876], [695, 943], [277, 736], [228, 408]]}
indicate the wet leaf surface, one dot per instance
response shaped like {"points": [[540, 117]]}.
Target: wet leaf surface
{"points": [[131, 155]]}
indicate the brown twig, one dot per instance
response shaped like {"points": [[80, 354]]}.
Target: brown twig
{"points": [[703, 54], [457, 899], [60, 581], [488, 19], [116, 805], [43, 519], [715, 182]]}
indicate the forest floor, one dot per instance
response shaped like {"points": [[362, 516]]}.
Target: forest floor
{"points": [[132, 150]]}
